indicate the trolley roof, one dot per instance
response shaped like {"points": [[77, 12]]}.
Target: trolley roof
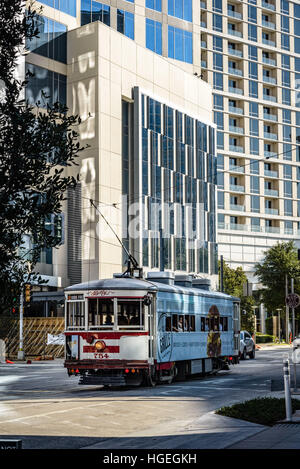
{"points": [[132, 283]]}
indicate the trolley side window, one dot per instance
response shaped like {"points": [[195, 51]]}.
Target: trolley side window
{"points": [[101, 313], [224, 324], [75, 314], [130, 313]]}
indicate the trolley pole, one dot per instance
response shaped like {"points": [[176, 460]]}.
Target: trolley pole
{"points": [[287, 391], [21, 354]]}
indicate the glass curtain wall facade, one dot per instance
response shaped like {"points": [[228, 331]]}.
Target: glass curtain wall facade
{"points": [[169, 182]]}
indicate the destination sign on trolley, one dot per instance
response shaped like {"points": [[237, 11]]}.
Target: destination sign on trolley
{"points": [[101, 293]]}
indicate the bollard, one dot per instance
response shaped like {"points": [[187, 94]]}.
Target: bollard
{"points": [[287, 391]]}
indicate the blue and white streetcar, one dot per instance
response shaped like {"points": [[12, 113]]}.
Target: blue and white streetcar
{"points": [[128, 330]]}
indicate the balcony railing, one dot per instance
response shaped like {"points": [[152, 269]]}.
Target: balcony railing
{"points": [[237, 208], [270, 136], [236, 148], [272, 229], [236, 130], [235, 110], [235, 14], [268, 5], [237, 227], [203, 44], [232, 89], [236, 188], [270, 154], [271, 211], [236, 169], [235, 71], [234, 32], [236, 52], [268, 42], [203, 64], [270, 117], [271, 174], [270, 80], [203, 24], [268, 61], [269, 97], [271, 192], [268, 24], [203, 5]]}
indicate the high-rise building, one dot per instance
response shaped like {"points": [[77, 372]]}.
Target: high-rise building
{"points": [[251, 56], [150, 168]]}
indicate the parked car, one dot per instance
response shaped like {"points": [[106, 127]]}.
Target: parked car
{"points": [[247, 345]]}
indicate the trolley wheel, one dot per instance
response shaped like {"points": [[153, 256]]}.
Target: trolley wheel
{"points": [[150, 379]]}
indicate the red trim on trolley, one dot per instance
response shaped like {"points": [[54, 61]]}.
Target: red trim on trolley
{"points": [[105, 335], [105, 364], [164, 366], [108, 349], [116, 296]]}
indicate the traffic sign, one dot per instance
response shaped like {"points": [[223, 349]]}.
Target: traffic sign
{"points": [[293, 300]]}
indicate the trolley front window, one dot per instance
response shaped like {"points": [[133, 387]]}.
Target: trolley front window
{"points": [[101, 313], [75, 314], [130, 314]]}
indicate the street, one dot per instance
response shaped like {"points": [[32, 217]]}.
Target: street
{"points": [[45, 408]]}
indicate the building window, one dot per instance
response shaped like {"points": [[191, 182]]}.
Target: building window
{"points": [[180, 9], [285, 24], [285, 61], [252, 32], [153, 4], [218, 43], [66, 6], [218, 103], [253, 127], [217, 23], [252, 52], [94, 11], [285, 42], [51, 41], [288, 208], [254, 184], [253, 89], [154, 36], [252, 14], [253, 109], [255, 203], [45, 86], [218, 81], [180, 44], [255, 224], [253, 70], [125, 23]]}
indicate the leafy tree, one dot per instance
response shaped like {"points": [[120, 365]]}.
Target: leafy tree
{"points": [[36, 147], [234, 280], [280, 260]]}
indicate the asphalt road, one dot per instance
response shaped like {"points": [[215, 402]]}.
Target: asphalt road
{"points": [[41, 405]]}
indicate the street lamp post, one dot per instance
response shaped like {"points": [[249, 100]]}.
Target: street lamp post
{"points": [[279, 331]]}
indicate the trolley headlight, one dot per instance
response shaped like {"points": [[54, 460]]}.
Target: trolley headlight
{"points": [[100, 345]]}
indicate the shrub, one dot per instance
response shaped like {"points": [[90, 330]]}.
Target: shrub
{"points": [[264, 338], [264, 411]]}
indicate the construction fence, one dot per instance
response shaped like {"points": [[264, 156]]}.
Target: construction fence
{"points": [[35, 337]]}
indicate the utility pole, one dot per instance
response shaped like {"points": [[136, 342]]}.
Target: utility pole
{"points": [[293, 311], [21, 355], [287, 319]]}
